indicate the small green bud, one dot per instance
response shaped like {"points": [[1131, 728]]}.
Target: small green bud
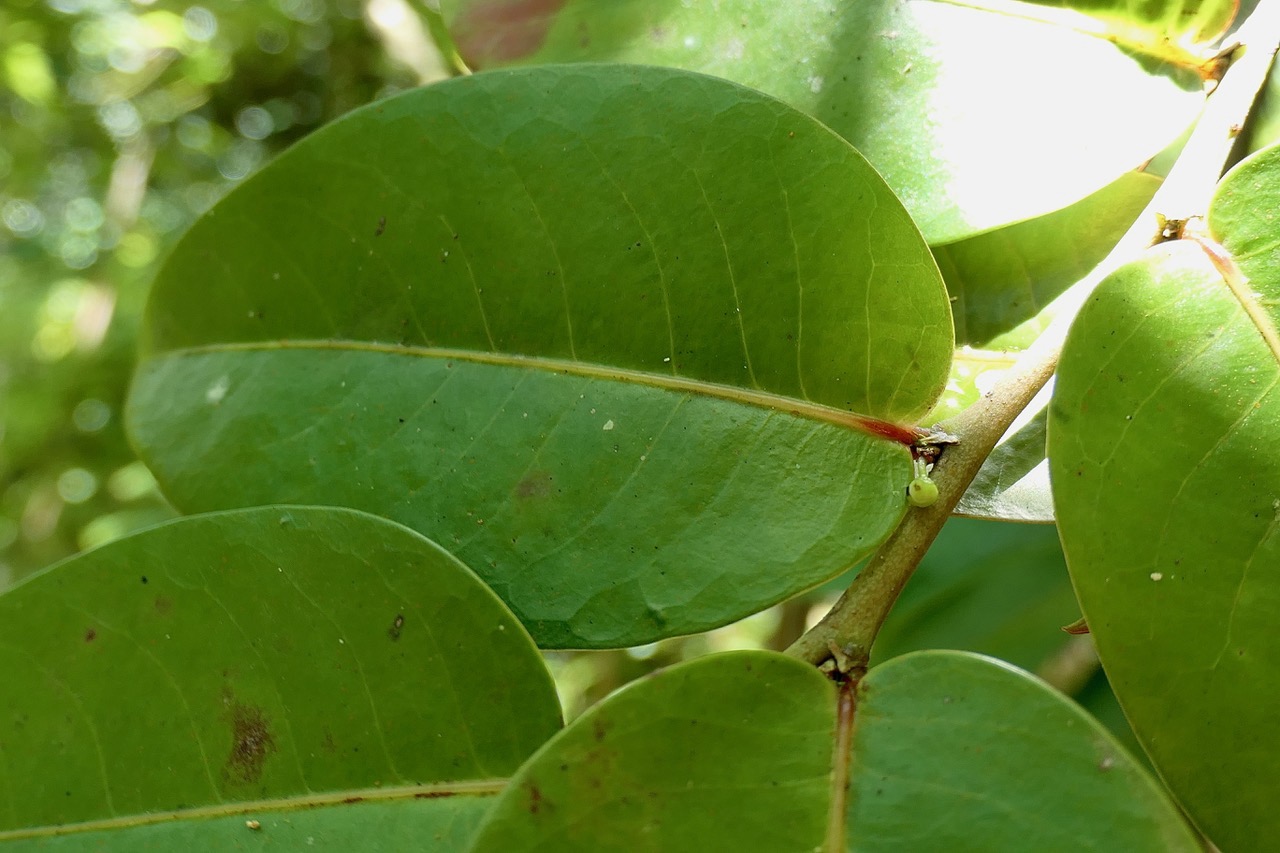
{"points": [[922, 491]]}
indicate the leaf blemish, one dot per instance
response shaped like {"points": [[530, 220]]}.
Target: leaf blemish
{"points": [[90, 635], [251, 744], [394, 631], [536, 484], [382, 226], [535, 799]]}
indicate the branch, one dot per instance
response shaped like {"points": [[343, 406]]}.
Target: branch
{"points": [[842, 640]]}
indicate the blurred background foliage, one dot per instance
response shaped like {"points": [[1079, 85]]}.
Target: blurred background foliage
{"points": [[123, 120]]}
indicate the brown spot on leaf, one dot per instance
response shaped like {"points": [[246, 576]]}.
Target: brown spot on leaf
{"points": [[394, 631], [499, 31], [382, 226], [535, 799], [90, 635], [536, 484], [251, 744], [163, 605], [431, 795]]}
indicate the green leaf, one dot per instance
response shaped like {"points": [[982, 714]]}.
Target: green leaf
{"points": [[1162, 435], [735, 751], [598, 330], [727, 751], [1263, 127], [1002, 281], [976, 118], [1002, 285], [1011, 765], [279, 664], [1013, 482], [441, 820]]}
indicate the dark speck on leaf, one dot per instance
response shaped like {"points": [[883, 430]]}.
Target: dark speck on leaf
{"points": [[144, 578], [535, 799], [394, 631], [382, 226], [90, 635]]}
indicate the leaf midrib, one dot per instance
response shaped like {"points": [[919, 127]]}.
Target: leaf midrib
{"points": [[438, 790], [1238, 283], [877, 427]]}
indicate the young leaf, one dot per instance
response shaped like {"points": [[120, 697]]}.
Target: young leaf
{"points": [[599, 330], [1166, 480], [976, 118], [753, 751], [305, 668]]}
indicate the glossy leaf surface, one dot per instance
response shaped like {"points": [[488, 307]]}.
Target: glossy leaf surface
{"points": [[598, 330], [976, 118], [279, 663], [735, 751], [1166, 411]]}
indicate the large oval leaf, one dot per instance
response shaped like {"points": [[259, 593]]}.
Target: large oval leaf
{"points": [[753, 751], [279, 664], [976, 118], [599, 330], [1165, 476]]}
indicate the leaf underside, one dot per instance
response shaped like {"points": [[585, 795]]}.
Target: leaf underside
{"points": [[1166, 410], [736, 751], [624, 400], [280, 664], [919, 88]]}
